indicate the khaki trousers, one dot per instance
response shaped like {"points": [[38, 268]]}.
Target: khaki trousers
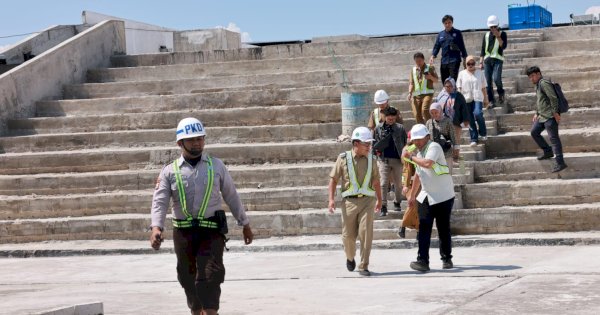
{"points": [[357, 221], [390, 169], [420, 107]]}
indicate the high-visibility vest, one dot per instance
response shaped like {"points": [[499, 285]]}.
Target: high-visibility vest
{"points": [[376, 115], [355, 189], [494, 53], [190, 221], [438, 169], [421, 87]]}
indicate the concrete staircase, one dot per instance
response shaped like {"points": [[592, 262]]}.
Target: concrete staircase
{"points": [[84, 167]]}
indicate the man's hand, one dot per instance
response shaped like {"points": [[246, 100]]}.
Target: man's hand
{"points": [[404, 190], [486, 102], [331, 206], [378, 206], [406, 154], [156, 238], [409, 96], [534, 119], [248, 236], [431, 60], [556, 117]]}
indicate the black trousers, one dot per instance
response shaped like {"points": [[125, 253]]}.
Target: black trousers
{"points": [[441, 213], [551, 126], [200, 268], [450, 70]]}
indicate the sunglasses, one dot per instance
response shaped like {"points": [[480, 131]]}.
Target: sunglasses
{"points": [[470, 64]]}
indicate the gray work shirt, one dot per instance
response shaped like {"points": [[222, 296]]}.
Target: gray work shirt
{"points": [[195, 180]]}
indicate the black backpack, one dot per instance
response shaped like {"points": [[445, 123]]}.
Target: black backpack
{"points": [[563, 104]]}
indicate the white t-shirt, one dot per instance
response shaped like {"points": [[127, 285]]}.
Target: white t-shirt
{"points": [[437, 188], [470, 85]]}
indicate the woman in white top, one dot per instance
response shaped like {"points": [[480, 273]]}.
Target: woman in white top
{"points": [[472, 84]]}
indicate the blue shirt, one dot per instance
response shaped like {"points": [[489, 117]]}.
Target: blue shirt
{"points": [[452, 45]]}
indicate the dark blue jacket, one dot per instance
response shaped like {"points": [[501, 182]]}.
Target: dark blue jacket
{"points": [[452, 45]]}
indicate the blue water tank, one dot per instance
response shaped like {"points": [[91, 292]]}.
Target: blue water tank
{"points": [[531, 16]]}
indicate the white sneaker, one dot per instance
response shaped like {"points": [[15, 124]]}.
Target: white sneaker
{"points": [[473, 144], [483, 138]]}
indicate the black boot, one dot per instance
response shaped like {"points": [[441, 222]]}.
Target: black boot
{"points": [[383, 212], [546, 155], [402, 232]]}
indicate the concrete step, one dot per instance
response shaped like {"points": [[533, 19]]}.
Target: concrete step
{"points": [[246, 81], [581, 61], [550, 218], [569, 80], [244, 176], [231, 98], [521, 143], [291, 243], [531, 192], [246, 116], [137, 158], [164, 137], [581, 165], [403, 60], [525, 102], [568, 47], [574, 118], [526, 219]]}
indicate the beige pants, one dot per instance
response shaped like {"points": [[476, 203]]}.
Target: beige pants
{"points": [[390, 169], [357, 221], [420, 108]]}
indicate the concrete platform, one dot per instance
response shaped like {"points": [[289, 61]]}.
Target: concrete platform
{"points": [[485, 279]]}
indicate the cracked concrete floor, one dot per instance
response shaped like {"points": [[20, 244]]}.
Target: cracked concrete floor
{"points": [[486, 280]]}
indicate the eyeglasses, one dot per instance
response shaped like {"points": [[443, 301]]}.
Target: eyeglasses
{"points": [[492, 27], [365, 144], [470, 64]]}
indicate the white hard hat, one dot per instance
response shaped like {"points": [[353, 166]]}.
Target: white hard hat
{"points": [[190, 128], [492, 21], [363, 134], [418, 131], [380, 97]]}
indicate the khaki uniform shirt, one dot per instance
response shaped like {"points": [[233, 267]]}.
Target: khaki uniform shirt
{"points": [[340, 170], [420, 73], [195, 180], [371, 123]]}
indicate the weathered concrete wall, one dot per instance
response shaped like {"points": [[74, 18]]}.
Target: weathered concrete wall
{"points": [[141, 38], [206, 40], [43, 77], [39, 43]]}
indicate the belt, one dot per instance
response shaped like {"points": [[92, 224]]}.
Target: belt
{"points": [[356, 196]]}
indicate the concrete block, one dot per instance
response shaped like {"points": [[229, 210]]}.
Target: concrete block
{"points": [[94, 308]]}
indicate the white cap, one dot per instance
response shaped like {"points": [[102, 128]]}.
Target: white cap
{"points": [[190, 128], [363, 134], [380, 97], [436, 106], [492, 21], [418, 131]]}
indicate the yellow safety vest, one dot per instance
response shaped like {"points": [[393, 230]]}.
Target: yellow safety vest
{"points": [[190, 221], [420, 86], [376, 115], [494, 53], [438, 169], [355, 189]]}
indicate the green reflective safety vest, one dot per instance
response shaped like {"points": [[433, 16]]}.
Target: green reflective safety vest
{"points": [[438, 169], [190, 221], [421, 86], [355, 189], [494, 53], [376, 116]]}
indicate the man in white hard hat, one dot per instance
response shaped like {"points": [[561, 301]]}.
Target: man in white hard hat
{"points": [[361, 197], [492, 58], [381, 99], [436, 198], [197, 183]]}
